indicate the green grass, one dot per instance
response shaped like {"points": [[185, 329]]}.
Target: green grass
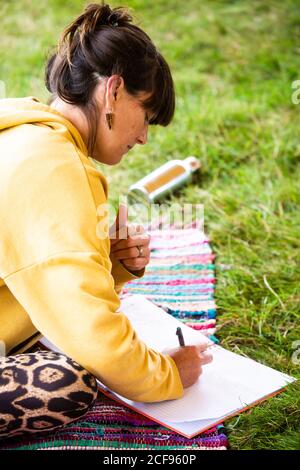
{"points": [[233, 64]]}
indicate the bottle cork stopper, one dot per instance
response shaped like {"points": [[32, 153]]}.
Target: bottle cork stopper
{"points": [[193, 162]]}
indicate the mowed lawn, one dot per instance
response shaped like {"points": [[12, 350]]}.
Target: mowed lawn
{"points": [[233, 64]]}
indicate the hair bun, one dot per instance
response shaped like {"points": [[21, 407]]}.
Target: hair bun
{"points": [[96, 15], [92, 19]]}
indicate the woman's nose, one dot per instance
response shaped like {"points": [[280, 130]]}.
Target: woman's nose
{"points": [[142, 139]]}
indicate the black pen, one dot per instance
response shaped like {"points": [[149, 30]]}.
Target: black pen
{"points": [[210, 344], [180, 337]]}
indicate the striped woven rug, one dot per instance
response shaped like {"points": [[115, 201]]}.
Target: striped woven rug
{"points": [[180, 278]]}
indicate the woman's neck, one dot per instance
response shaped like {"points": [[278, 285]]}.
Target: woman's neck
{"points": [[73, 114]]}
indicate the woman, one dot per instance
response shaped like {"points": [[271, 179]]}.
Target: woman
{"points": [[59, 276]]}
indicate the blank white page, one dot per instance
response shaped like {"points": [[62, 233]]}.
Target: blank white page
{"points": [[230, 383]]}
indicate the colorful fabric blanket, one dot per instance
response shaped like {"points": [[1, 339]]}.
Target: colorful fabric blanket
{"points": [[180, 278]]}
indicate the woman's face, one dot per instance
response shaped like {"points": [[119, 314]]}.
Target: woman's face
{"points": [[129, 125]]}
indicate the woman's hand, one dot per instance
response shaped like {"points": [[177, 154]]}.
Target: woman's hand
{"points": [[189, 361], [129, 243]]}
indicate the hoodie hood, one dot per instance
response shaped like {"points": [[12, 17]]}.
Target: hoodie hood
{"points": [[29, 110]]}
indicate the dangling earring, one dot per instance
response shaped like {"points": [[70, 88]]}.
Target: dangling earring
{"points": [[109, 119], [109, 115]]}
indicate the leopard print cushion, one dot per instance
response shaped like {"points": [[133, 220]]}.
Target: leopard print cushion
{"points": [[41, 391]]}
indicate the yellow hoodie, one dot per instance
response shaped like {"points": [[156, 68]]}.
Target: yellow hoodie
{"points": [[56, 275]]}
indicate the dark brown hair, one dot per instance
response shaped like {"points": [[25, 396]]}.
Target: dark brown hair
{"points": [[103, 41]]}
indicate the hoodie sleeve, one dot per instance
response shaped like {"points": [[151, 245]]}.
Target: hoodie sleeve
{"points": [[57, 266]]}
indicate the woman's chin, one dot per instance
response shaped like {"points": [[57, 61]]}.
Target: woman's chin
{"points": [[109, 160], [115, 161]]}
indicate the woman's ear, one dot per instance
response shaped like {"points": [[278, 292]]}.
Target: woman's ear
{"points": [[118, 86], [114, 88]]}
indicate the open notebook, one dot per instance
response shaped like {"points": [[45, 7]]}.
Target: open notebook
{"points": [[227, 386]]}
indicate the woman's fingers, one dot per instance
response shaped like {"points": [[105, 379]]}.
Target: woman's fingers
{"points": [[130, 244], [130, 231], [130, 253], [133, 253], [119, 227], [201, 347], [134, 264], [206, 358]]}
